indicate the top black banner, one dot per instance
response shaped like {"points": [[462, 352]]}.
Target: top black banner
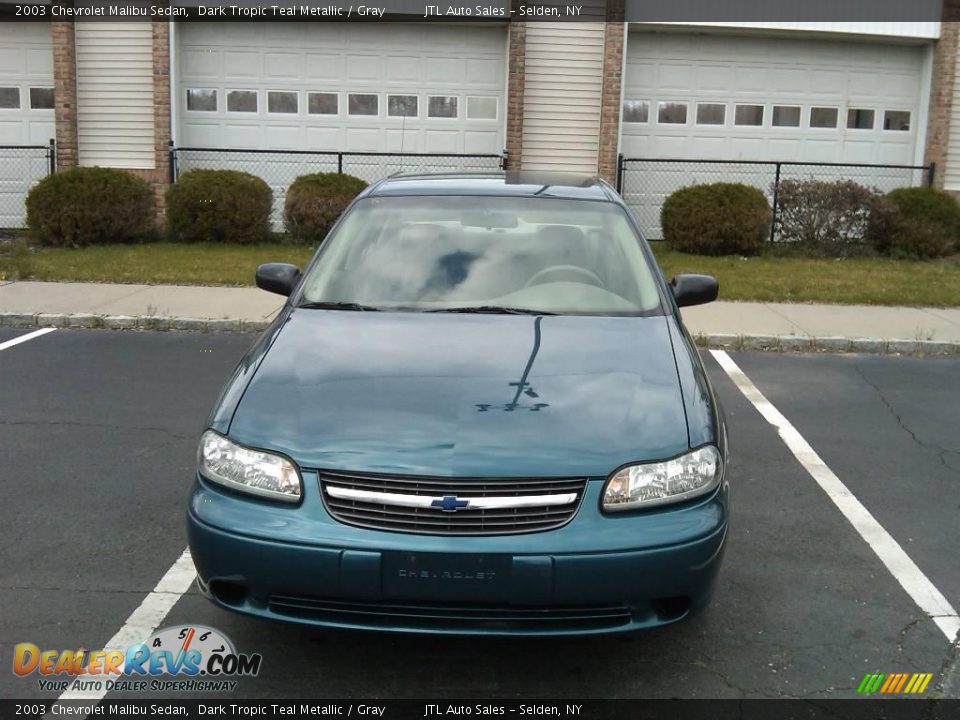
{"points": [[738, 12]]}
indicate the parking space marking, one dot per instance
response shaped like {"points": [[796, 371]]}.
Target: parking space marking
{"points": [[147, 617], [24, 338], [918, 586]]}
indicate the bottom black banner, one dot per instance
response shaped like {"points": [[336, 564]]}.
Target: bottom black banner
{"points": [[866, 709]]}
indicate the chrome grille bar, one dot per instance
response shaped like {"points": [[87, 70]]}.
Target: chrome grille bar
{"points": [[427, 501]]}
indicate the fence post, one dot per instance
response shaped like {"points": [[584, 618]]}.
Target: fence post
{"points": [[173, 161], [340, 163], [619, 185], [52, 156], [776, 193], [931, 174]]}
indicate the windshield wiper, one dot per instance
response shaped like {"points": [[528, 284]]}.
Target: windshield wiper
{"points": [[491, 310], [338, 306]]}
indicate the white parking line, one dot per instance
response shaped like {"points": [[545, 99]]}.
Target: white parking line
{"points": [[917, 585], [24, 338], [147, 617]]}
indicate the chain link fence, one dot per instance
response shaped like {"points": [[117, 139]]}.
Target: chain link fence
{"points": [[279, 168], [645, 183], [20, 167]]}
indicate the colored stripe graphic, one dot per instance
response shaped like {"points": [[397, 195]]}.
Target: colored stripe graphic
{"points": [[894, 683], [891, 680]]}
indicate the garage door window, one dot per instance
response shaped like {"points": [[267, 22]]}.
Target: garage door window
{"points": [[749, 115], [359, 104], [283, 102], [244, 101], [823, 117], [636, 111], [41, 98], [402, 106], [481, 108], [711, 113], [9, 98], [786, 116], [201, 100], [896, 120], [319, 103], [672, 113], [859, 119], [442, 106]]}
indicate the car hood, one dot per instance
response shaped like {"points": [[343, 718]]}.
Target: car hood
{"points": [[465, 395]]}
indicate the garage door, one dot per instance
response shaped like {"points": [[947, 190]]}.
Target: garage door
{"points": [[369, 88], [734, 97], [26, 112], [738, 98]]}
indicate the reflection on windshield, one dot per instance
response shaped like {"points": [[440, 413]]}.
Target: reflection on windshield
{"points": [[434, 253]]}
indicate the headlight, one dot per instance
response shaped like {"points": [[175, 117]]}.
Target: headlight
{"points": [[640, 486], [246, 470]]}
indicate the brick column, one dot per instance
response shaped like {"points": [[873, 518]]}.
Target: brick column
{"points": [[941, 90], [161, 97], [159, 176], [65, 92], [161, 113], [517, 56], [610, 98]]}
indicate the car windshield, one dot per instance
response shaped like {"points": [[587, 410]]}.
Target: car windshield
{"points": [[484, 254]]}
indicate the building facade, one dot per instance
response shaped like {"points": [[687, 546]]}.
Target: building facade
{"points": [[561, 95]]}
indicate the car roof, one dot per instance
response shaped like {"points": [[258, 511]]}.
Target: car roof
{"points": [[571, 186]]}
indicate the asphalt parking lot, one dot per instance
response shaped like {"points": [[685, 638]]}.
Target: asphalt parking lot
{"points": [[98, 433]]}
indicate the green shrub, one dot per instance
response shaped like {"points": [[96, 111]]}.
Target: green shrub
{"points": [[90, 206], [314, 202], [825, 218], [219, 206], [717, 219], [918, 223]]}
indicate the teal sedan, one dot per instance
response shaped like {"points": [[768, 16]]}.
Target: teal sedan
{"points": [[478, 412]]}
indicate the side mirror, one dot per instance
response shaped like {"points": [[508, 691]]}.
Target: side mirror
{"points": [[690, 289], [278, 278]]}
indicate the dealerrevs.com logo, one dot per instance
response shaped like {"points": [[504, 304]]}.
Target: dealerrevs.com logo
{"points": [[202, 658], [894, 683]]}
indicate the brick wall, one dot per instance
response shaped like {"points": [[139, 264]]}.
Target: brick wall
{"points": [[65, 92], [515, 83], [941, 91], [159, 177], [610, 97]]}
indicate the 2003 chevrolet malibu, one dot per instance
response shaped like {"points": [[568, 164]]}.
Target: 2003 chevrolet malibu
{"points": [[478, 412]]}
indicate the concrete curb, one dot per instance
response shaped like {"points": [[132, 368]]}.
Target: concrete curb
{"points": [[723, 341], [802, 343], [130, 322]]}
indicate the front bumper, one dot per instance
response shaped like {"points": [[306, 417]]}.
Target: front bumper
{"points": [[599, 573]]}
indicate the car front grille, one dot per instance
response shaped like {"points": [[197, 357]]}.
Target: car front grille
{"points": [[451, 506], [451, 617]]}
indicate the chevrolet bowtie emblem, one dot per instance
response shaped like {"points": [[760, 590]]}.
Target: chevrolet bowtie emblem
{"points": [[449, 503]]}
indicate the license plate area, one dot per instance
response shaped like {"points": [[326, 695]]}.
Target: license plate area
{"points": [[446, 576]]}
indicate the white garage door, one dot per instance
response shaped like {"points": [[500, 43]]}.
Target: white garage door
{"points": [[26, 112], [402, 87], [734, 97], [737, 98]]}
